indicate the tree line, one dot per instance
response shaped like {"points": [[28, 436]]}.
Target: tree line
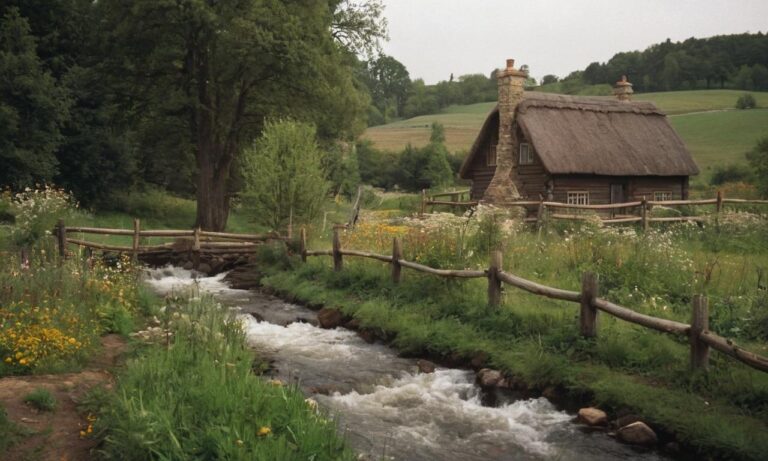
{"points": [[725, 61], [108, 95], [737, 61]]}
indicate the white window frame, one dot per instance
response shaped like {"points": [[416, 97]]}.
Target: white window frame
{"points": [[490, 159], [580, 197], [662, 196], [525, 154]]}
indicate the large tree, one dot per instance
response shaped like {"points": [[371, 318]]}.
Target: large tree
{"points": [[209, 72]]}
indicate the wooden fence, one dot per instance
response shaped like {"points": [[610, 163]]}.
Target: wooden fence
{"points": [[196, 240], [699, 336], [630, 212]]}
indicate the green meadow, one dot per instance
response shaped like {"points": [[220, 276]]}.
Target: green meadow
{"points": [[713, 130]]}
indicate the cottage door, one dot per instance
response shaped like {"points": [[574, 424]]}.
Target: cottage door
{"points": [[617, 196]]}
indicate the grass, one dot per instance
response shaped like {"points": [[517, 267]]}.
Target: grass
{"points": [[54, 313], [721, 138], [199, 399], [41, 399], [9, 432], [713, 138], [626, 368]]}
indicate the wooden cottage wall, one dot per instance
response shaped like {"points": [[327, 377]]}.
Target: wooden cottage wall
{"points": [[636, 187], [531, 179], [480, 172]]}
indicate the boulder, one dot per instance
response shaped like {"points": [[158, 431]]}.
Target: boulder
{"points": [[592, 416], [188, 266], [204, 268], [489, 378], [479, 360], [329, 317], [626, 420], [637, 433], [425, 366], [368, 335]]}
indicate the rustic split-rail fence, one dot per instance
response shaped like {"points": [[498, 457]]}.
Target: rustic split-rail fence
{"points": [[701, 339], [609, 213], [194, 242]]}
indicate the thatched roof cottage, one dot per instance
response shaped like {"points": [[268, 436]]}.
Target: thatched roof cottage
{"points": [[578, 150]]}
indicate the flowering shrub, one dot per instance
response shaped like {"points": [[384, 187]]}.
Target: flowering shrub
{"points": [[37, 211]]}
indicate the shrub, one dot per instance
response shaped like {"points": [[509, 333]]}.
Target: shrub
{"points": [[746, 101], [41, 399], [37, 211], [731, 173]]}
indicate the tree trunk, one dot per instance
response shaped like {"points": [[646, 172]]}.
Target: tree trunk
{"points": [[212, 198]]}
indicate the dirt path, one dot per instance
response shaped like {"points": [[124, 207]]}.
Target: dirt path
{"points": [[56, 435]]}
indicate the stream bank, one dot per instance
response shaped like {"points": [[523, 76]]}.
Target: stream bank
{"points": [[387, 408]]}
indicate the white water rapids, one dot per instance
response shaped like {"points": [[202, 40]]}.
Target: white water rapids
{"points": [[385, 407]]}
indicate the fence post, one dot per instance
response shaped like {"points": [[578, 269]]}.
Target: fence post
{"points": [[588, 313], [494, 284], [135, 246], [644, 213], [24, 259], [303, 244], [196, 248], [397, 255], [699, 323], [423, 202], [540, 214], [719, 205], [337, 261], [61, 238]]}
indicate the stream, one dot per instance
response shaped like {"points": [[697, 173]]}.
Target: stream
{"points": [[385, 407]]}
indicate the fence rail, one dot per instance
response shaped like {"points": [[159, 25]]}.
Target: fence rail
{"points": [[700, 338], [197, 240], [635, 211]]}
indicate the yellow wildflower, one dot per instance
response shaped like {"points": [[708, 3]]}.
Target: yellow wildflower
{"points": [[264, 431]]}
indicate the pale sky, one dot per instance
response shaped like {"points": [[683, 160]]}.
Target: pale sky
{"points": [[436, 37]]}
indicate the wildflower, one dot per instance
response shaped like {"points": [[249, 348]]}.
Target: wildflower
{"points": [[8, 360], [239, 442], [264, 431]]}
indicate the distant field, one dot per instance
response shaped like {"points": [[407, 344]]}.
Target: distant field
{"points": [[720, 138], [713, 138]]}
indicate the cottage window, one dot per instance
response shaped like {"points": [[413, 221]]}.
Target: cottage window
{"points": [[526, 154], [661, 196], [578, 198], [491, 159]]}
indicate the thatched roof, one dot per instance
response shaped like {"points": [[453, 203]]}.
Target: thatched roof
{"points": [[593, 135]]}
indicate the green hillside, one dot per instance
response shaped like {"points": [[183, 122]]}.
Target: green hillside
{"points": [[714, 132]]}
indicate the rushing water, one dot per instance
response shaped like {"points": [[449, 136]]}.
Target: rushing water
{"points": [[386, 408]]}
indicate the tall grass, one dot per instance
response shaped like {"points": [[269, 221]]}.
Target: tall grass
{"points": [[198, 398], [537, 339], [52, 313]]}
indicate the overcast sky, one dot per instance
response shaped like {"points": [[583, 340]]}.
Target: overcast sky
{"points": [[435, 38]]}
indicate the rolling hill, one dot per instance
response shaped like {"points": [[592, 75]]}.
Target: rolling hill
{"points": [[714, 132]]}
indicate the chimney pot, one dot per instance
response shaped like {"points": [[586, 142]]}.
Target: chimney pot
{"points": [[623, 89], [510, 63]]}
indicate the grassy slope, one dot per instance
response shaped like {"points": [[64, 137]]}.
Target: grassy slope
{"points": [[713, 138]]}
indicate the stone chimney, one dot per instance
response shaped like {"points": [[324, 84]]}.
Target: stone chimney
{"points": [[502, 188], [623, 89]]}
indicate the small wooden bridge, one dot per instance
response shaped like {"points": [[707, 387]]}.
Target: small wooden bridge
{"points": [[212, 252]]}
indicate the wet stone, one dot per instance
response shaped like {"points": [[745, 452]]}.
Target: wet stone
{"points": [[592, 416], [637, 433]]}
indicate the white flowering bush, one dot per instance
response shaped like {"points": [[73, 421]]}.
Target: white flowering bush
{"points": [[37, 211]]}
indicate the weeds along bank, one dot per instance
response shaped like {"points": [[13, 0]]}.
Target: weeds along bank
{"points": [[188, 392], [191, 393], [722, 413]]}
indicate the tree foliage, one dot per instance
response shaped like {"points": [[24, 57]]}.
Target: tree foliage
{"points": [[33, 108], [758, 160], [206, 74], [284, 174]]}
